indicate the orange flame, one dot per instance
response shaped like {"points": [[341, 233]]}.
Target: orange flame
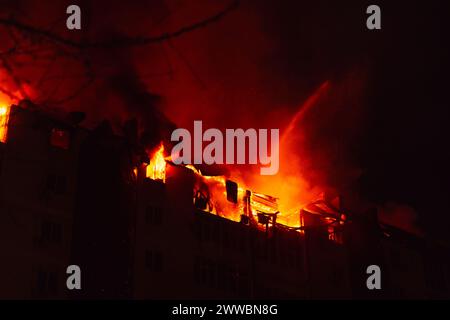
{"points": [[4, 118], [156, 170], [210, 194], [7, 98]]}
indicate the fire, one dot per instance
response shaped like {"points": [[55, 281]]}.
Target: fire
{"points": [[4, 117], [235, 201], [7, 98], [283, 200], [248, 205], [156, 170], [212, 195]]}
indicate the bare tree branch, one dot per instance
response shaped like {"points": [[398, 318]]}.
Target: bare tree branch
{"points": [[118, 42], [16, 80]]}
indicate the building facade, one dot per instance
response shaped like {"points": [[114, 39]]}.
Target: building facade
{"points": [[74, 196]]}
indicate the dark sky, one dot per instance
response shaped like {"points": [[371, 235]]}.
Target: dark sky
{"points": [[406, 139], [260, 62]]}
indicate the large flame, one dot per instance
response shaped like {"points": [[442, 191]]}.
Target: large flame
{"points": [[156, 170], [4, 118], [8, 97], [210, 194]]}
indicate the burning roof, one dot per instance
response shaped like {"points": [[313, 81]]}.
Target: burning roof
{"points": [[235, 201]]}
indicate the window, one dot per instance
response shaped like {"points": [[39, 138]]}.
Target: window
{"points": [[232, 191], [243, 285], [205, 272], [436, 276], [198, 271], [229, 276], [153, 215], [261, 247], [242, 244], [56, 184], [153, 261], [216, 231], [226, 241], [50, 232], [46, 282], [220, 275], [205, 231], [335, 235], [335, 277], [60, 138], [273, 252]]}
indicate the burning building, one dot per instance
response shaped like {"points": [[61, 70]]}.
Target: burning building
{"points": [[140, 226]]}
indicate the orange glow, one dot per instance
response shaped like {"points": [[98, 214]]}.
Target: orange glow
{"points": [[7, 98], [213, 190], [4, 118], [289, 190], [291, 195], [289, 185], [156, 170], [210, 194]]}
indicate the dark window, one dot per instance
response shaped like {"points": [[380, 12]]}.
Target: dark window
{"points": [[60, 138], [261, 247], [205, 231], [205, 272], [290, 259], [52, 282], [298, 257], [50, 232], [225, 238], [244, 285], [210, 274], [436, 277], [242, 245], [272, 252], [219, 275], [231, 276], [198, 270], [153, 261], [335, 277], [232, 191], [222, 281], [153, 215], [41, 281], [46, 282], [216, 231], [56, 184]]}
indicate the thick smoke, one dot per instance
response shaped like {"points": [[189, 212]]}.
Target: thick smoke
{"points": [[401, 216]]}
